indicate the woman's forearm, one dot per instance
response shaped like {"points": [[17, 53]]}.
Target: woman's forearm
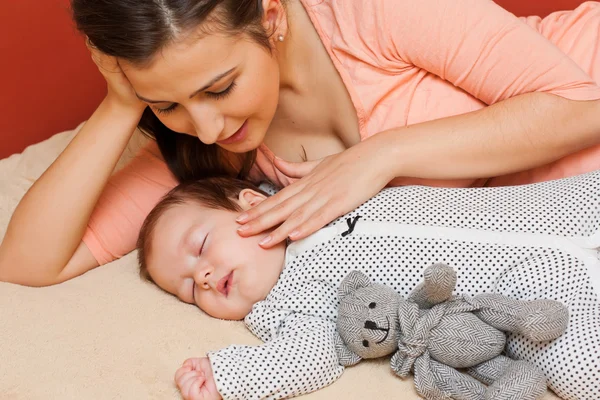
{"points": [[49, 222], [517, 134]]}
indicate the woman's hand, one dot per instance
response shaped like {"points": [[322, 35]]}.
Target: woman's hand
{"points": [[195, 380], [120, 90], [327, 189]]}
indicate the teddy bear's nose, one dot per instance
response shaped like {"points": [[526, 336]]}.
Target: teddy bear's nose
{"points": [[370, 325]]}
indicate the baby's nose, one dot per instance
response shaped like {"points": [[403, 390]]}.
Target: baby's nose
{"points": [[203, 275]]}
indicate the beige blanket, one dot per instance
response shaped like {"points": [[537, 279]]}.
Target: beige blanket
{"points": [[107, 335]]}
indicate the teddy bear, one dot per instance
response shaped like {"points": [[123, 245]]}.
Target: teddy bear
{"points": [[435, 334]]}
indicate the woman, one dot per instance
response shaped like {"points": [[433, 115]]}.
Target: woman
{"points": [[353, 95]]}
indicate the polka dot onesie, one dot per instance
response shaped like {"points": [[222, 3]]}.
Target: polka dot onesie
{"points": [[526, 242]]}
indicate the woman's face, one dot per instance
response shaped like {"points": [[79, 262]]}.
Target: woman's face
{"points": [[220, 88]]}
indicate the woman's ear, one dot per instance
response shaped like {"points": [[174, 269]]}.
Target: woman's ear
{"points": [[274, 19], [249, 198]]}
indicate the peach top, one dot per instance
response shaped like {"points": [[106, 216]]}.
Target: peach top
{"points": [[405, 62]]}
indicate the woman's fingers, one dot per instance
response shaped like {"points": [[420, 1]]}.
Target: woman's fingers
{"points": [[89, 44], [334, 186], [105, 63], [277, 199], [292, 206], [302, 223], [296, 170], [119, 86], [271, 217], [266, 206], [300, 215]]}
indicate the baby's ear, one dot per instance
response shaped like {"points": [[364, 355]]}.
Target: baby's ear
{"points": [[353, 281], [249, 198], [346, 357]]}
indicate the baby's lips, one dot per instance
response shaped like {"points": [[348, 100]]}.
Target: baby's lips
{"points": [[223, 284]]}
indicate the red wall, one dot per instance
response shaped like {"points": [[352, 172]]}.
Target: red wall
{"points": [[537, 7], [49, 83]]}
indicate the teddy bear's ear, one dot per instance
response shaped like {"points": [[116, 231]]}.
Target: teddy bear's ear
{"points": [[354, 280], [346, 357]]}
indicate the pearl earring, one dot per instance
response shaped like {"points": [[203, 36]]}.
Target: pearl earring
{"points": [[280, 38]]}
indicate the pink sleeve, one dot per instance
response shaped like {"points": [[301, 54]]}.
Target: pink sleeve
{"points": [[129, 196], [479, 47]]}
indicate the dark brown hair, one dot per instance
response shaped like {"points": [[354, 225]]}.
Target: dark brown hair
{"points": [[136, 30], [214, 193]]}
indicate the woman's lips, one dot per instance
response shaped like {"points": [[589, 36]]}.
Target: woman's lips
{"points": [[224, 284], [238, 136]]}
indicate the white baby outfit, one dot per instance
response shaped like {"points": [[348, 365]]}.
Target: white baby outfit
{"points": [[526, 242]]}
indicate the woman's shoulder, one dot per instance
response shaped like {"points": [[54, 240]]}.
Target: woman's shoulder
{"points": [[357, 27]]}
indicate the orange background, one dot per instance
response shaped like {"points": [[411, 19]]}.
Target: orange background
{"points": [[49, 83]]}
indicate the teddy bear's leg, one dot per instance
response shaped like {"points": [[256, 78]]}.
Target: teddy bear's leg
{"points": [[516, 380], [537, 320], [438, 283], [445, 382], [491, 370]]}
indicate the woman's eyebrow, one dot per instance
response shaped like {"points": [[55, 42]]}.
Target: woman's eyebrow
{"points": [[209, 84], [213, 81]]}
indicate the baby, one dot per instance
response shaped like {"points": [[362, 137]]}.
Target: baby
{"points": [[535, 241]]}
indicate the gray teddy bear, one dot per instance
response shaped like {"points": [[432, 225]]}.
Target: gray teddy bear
{"points": [[433, 333]]}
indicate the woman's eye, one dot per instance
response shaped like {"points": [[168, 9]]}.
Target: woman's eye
{"points": [[215, 95], [167, 110], [223, 93]]}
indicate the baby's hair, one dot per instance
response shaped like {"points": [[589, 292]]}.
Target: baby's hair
{"points": [[213, 193]]}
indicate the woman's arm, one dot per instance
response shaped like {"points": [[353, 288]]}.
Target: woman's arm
{"points": [[532, 85], [513, 135], [43, 244], [475, 45]]}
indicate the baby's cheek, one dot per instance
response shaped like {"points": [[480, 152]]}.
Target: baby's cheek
{"points": [[203, 303], [241, 311]]}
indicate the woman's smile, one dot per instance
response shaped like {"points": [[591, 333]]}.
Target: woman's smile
{"points": [[238, 136]]}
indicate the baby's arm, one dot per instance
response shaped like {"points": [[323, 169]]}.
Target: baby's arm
{"points": [[300, 358]]}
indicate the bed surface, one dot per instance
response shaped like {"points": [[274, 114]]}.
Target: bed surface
{"points": [[108, 335]]}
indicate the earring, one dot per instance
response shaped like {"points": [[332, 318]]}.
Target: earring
{"points": [[280, 37]]}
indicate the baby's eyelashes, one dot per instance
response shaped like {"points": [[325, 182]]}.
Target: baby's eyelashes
{"points": [[202, 245]]}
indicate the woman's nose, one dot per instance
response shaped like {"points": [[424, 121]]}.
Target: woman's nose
{"points": [[208, 124]]}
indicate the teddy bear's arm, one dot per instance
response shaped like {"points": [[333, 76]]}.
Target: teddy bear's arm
{"points": [[437, 286]]}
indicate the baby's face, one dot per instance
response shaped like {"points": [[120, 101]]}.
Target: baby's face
{"points": [[197, 255]]}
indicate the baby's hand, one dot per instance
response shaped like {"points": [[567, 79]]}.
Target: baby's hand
{"points": [[195, 380]]}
